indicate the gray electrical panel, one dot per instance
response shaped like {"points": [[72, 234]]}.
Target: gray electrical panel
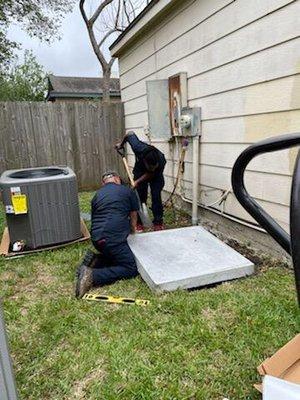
{"points": [[41, 205]]}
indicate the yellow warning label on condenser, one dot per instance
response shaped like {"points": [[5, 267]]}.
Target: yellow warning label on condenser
{"points": [[116, 300], [19, 202]]}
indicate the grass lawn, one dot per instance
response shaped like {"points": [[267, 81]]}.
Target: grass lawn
{"points": [[202, 344]]}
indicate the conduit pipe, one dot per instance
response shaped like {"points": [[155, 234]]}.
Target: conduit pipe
{"points": [[195, 202], [225, 215], [195, 179]]}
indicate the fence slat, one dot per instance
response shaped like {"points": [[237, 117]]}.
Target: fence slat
{"points": [[78, 134]]}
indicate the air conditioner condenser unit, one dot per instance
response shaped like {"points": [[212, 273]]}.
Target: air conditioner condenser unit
{"points": [[41, 205]]}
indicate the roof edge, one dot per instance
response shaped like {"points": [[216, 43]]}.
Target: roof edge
{"points": [[49, 76], [52, 94], [146, 16]]}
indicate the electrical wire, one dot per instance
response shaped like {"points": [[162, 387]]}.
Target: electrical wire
{"points": [[210, 207], [225, 215], [184, 146]]}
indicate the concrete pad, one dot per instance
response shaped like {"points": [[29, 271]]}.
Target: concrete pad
{"points": [[186, 258]]}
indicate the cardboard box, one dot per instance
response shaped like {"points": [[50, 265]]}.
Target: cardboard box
{"points": [[5, 243], [284, 364]]}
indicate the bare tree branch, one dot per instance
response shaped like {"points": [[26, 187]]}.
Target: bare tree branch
{"points": [[107, 34], [112, 60], [118, 14], [99, 10], [96, 48], [111, 16], [81, 7], [132, 9], [126, 12]]}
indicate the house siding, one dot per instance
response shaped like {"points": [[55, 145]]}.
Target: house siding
{"points": [[243, 65]]}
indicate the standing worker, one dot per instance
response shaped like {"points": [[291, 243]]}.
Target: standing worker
{"points": [[114, 216], [148, 170]]}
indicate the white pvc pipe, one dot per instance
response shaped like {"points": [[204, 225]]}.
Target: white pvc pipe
{"points": [[195, 179], [227, 216]]}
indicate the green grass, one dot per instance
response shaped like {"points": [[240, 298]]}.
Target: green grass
{"points": [[202, 344]]}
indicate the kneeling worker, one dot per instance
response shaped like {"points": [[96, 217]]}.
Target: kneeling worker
{"points": [[148, 171], [114, 216]]}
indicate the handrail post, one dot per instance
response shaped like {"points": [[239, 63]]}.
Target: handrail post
{"points": [[295, 223], [7, 381], [290, 244]]}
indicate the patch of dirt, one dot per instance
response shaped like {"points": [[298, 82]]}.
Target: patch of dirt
{"points": [[209, 320], [213, 317], [50, 360], [33, 287], [245, 250], [219, 360], [261, 260], [7, 276], [80, 387]]}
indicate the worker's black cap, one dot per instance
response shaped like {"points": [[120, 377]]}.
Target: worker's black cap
{"points": [[109, 174]]}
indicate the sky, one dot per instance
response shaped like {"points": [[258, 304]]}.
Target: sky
{"points": [[70, 56]]}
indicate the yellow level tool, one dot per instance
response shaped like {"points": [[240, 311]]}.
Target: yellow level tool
{"points": [[116, 300]]}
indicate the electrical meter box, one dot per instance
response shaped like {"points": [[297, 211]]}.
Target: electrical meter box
{"points": [[41, 206], [190, 121]]}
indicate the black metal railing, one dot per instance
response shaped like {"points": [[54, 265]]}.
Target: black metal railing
{"points": [[290, 243]]}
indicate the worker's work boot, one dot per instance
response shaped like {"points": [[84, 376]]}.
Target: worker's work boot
{"points": [[84, 281], [158, 227], [139, 228], [89, 259], [85, 268]]}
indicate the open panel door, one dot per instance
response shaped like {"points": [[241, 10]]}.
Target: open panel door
{"points": [[158, 109]]}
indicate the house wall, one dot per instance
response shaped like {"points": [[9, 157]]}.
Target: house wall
{"points": [[242, 59]]}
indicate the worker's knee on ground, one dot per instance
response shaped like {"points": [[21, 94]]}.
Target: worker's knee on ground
{"points": [[131, 265], [112, 274], [133, 272]]}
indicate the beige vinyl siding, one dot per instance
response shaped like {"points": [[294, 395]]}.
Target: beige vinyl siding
{"points": [[222, 38], [169, 30], [243, 64]]}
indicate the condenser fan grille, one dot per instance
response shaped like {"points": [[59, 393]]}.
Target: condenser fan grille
{"points": [[37, 173]]}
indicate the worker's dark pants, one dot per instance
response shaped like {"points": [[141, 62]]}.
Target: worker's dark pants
{"points": [[156, 186], [115, 262]]}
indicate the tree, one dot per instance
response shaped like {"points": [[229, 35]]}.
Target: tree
{"points": [[107, 20], [39, 18], [22, 82]]}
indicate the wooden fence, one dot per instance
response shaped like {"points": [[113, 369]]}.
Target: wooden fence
{"points": [[80, 134]]}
